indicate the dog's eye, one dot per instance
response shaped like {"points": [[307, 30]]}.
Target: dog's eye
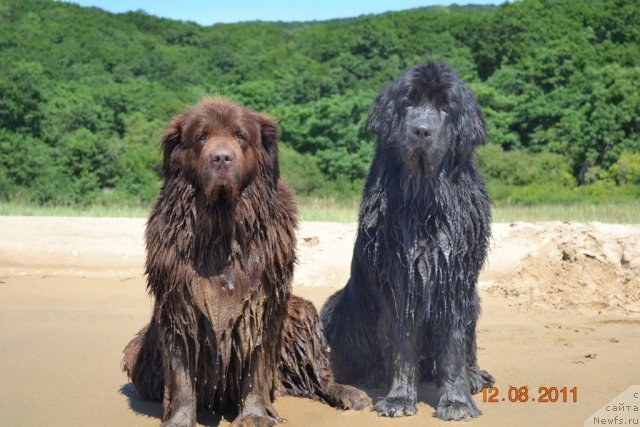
{"points": [[203, 137], [445, 108], [241, 137]]}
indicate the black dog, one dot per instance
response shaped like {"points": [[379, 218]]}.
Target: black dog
{"points": [[410, 308]]}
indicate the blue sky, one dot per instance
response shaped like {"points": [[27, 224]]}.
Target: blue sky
{"points": [[208, 12]]}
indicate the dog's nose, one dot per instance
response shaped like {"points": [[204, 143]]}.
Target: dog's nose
{"points": [[422, 132], [222, 157]]}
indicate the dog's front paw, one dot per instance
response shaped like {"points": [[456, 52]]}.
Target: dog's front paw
{"points": [[255, 421], [183, 417], [479, 379], [455, 410], [396, 407]]}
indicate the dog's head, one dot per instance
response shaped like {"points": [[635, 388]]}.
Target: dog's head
{"points": [[428, 116], [221, 147]]}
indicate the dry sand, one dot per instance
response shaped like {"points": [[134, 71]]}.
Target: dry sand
{"points": [[561, 308]]}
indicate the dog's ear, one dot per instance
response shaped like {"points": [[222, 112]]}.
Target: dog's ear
{"points": [[470, 126], [381, 114], [269, 135], [171, 139]]}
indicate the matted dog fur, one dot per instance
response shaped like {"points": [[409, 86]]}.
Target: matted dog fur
{"points": [[410, 308], [226, 333]]}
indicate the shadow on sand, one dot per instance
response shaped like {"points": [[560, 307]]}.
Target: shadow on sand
{"points": [[427, 393]]}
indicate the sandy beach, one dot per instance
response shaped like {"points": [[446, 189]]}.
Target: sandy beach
{"points": [[561, 308]]}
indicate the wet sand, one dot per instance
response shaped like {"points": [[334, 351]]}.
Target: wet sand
{"points": [[72, 294]]}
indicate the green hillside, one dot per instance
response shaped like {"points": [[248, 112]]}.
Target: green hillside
{"points": [[85, 94]]}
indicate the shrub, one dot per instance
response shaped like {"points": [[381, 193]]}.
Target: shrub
{"points": [[300, 171], [627, 169]]}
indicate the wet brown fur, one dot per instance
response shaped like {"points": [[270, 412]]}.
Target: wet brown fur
{"points": [[226, 333]]}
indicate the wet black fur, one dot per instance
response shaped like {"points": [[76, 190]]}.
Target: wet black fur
{"points": [[410, 308]]}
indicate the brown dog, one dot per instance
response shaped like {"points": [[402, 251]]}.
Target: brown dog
{"points": [[226, 333]]}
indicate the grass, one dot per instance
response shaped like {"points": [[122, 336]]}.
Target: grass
{"points": [[328, 209], [331, 209], [26, 209], [627, 212]]}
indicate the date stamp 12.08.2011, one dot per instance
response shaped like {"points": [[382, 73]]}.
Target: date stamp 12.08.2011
{"points": [[525, 394]]}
